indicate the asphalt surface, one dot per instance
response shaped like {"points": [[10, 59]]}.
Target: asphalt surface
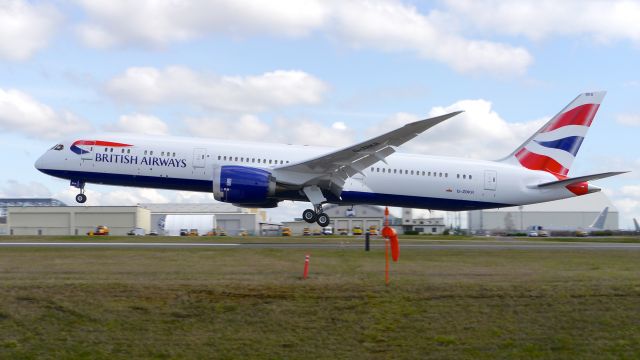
{"points": [[435, 245]]}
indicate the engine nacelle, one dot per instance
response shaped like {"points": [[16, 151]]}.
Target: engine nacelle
{"points": [[243, 185]]}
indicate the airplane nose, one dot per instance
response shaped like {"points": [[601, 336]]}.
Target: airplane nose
{"points": [[39, 163]]}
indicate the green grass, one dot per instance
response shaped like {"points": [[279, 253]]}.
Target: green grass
{"points": [[251, 303]]}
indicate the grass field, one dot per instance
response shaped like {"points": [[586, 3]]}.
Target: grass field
{"points": [[251, 303]]}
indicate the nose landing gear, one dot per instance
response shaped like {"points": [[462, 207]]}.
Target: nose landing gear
{"points": [[80, 198]]}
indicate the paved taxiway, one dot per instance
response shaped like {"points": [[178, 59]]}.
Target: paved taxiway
{"points": [[448, 245]]}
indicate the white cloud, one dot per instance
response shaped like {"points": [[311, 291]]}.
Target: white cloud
{"points": [[252, 128], [19, 112], [14, 188], [393, 26], [631, 190], [628, 119], [158, 23], [479, 132], [227, 93], [387, 25], [601, 21], [25, 28], [115, 197], [139, 124]]}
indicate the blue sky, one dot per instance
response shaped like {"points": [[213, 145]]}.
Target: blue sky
{"points": [[316, 72]]}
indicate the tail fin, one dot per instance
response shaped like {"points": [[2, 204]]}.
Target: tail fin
{"points": [[554, 147], [598, 223], [635, 222]]}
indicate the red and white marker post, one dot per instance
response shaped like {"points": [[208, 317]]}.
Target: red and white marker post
{"points": [[305, 273]]}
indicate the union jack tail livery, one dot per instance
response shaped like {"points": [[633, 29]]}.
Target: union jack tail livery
{"points": [[554, 147]]}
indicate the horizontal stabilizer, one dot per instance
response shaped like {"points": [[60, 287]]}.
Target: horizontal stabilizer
{"points": [[578, 179]]}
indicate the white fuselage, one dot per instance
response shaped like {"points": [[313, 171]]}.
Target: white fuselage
{"points": [[408, 180]]}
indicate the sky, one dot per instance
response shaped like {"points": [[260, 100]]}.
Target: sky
{"points": [[318, 73]]}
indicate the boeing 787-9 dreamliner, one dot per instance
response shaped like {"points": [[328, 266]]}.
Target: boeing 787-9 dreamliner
{"points": [[252, 174]]}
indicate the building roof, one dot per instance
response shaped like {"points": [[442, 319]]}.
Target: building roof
{"points": [[587, 203], [209, 208], [5, 202]]}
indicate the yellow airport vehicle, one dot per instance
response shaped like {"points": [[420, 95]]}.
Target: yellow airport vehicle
{"points": [[306, 232], [373, 230], [357, 230], [100, 230], [286, 231]]}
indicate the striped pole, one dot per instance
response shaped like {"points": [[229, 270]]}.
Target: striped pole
{"points": [[305, 273], [386, 261]]}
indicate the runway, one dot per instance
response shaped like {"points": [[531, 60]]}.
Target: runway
{"points": [[426, 245]]}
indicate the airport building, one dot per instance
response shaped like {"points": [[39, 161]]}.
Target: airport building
{"points": [[343, 218], [230, 218], [75, 220], [567, 214], [22, 202], [52, 217]]}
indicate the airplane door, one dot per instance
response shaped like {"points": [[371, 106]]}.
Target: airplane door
{"points": [[490, 179], [199, 157], [87, 155]]}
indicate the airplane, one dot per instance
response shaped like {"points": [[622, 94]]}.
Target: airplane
{"points": [[250, 174], [597, 225]]}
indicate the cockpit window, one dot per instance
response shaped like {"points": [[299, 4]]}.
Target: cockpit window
{"points": [[58, 147]]}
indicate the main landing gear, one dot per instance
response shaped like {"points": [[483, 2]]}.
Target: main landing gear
{"points": [[80, 198], [316, 216]]}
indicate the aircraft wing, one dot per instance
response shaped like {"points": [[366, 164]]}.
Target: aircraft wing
{"points": [[348, 161]]}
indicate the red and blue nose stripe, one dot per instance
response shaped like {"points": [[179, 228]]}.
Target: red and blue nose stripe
{"points": [[78, 150]]}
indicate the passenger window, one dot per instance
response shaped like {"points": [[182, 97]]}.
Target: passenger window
{"points": [[225, 158], [440, 174], [174, 154], [469, 177], [128, 151], [151, 152], [423, 173], [463, 176], [236, 158], [162, 153], [111, 150], [269, 161], [106, 150], [145, 152], [281, 162], [219, 157]]}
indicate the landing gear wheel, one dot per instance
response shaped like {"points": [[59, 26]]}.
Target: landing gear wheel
{"points": [[309, 216], [81, 198], [323, 220]]}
